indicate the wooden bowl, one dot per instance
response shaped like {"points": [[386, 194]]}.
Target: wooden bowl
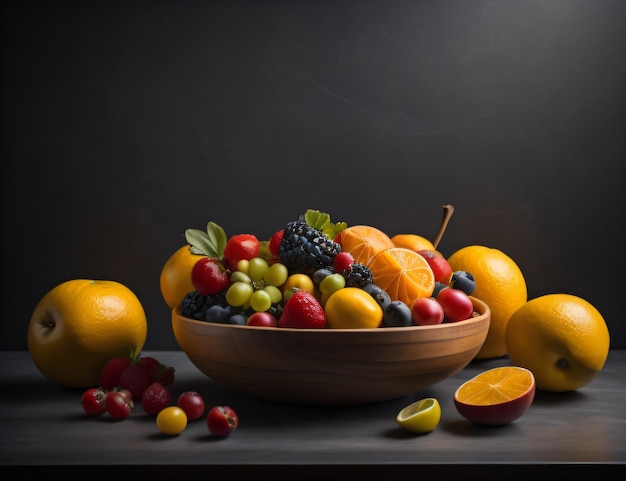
{"points": [[330, 366]]}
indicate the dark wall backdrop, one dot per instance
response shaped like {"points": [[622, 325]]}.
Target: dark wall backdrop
{"points": [[124, 123]]}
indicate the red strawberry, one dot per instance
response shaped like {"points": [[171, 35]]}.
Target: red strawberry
{"points": [[162, 373], [155, 398], [240, 247], [303, 311], [111, 372], [136, 379], [148, 362]]}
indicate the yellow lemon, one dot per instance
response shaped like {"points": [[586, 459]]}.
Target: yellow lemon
{"points": [[81, 324], [175, 280], [561, 338], [421, 416], [499, 283], [352, 308]]}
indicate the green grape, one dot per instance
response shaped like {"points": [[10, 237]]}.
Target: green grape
{"points": [[277, 274], [332, 283], [240, 276], [275, 293], [257, 268], [260, 301], [242, 265], [238, 293]]}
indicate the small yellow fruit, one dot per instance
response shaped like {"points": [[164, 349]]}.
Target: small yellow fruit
{"points": [[81, 324], [499, 283], [171, 420], [352, 308], [421, 416], [300, 281], [561, 338]]}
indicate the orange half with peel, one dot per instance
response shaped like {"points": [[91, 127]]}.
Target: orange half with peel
{"points": [[497, 396]]}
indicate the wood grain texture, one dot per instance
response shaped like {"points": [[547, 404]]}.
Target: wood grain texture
{"points": [[330, 366]]}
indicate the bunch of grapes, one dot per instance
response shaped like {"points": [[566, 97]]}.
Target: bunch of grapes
{"points": [[256, 285]]}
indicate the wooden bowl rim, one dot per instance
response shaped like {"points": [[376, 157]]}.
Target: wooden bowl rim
{"points": [[481, 307]]}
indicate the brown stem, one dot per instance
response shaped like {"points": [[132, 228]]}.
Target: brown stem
{"points": [[448, 210]]}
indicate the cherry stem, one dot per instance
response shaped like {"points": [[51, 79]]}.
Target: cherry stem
{"points": [[448, 210]]}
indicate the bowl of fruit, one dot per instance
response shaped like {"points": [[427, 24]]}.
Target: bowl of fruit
{"points": [[325, 318]]}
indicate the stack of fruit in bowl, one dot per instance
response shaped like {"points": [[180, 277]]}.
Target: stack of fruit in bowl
{"points": [[317, 274]]}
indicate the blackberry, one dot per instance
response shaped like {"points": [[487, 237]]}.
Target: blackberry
{"points": [[195, 306], [357, 275], [305, 248]]}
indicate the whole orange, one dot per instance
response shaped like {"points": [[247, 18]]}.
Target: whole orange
{"points": [[413, 242], [561, 338], [499, 283], [81, 324], [363, 241], [175, 281]]}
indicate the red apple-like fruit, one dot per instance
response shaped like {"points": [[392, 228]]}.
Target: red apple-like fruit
{"points": [[192, 403], [457, 306], [208, 276], [221, 421], [426, 311], [262, 319]]}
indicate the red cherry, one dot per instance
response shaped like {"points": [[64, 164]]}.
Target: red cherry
{"points": [[262, 319], [221, 421], [92, 401], [342, 261], [457, 306], [426, 311], [192, 403]]}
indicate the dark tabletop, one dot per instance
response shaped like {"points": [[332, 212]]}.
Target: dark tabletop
{"points": [[44, 429]]}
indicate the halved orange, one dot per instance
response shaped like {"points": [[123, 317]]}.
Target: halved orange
{"points": [[497, 396], [404, 274], [363, 241]]}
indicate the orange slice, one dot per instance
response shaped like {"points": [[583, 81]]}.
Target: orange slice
{"points": [[497, 396], [404, 274], [363, 241]]}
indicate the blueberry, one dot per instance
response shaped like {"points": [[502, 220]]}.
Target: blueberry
{"points": [[379, 295], [397, 314], [238, 319], [439, 286], [321, 274], [464, 281]]}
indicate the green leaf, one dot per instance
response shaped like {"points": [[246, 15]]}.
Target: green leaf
{"points": [[321, 221], [200, 243], [218, 238]]}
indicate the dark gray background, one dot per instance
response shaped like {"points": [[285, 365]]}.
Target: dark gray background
{"points": [[124, 123]]}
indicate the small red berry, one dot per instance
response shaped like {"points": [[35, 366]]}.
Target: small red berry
{"points": [[118, 404], [342, 261], [93, 401]]}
